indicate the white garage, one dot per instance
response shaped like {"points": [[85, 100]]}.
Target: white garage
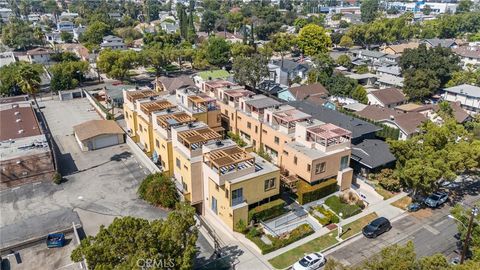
{"points": [[96, 134]]}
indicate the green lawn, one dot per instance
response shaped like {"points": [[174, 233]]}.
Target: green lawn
{"points": [[290, 257], [338, 207], [357, 225], [384, 193]]}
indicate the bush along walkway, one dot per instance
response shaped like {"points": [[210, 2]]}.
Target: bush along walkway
{"points": [[325, 239]]}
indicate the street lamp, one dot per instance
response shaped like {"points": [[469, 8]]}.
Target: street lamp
{"points": [[474, 213]]}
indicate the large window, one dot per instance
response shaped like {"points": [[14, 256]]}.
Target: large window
{"points": [[320, 168], [177, 162], [277, 140], [237, 196], [344, 163], [269, 184]]}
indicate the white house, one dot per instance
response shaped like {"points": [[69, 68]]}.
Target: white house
{"points": [[39, 55], [469, 55], [468, 96], [113, 42], [6, 58], [65, 26]]}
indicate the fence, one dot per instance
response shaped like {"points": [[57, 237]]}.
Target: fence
{"points": [[102, 111]]}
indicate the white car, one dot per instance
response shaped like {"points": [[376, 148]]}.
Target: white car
{"points": [[310, 262]]}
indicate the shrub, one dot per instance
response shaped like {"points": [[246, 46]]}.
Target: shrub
{"points": [[307, 193], [159, 189], [338, 207], [388, 180], [57, 178], [329, 216], [286, 239], [361, 204], [349, 197], [237, 139], [241, 227], [268, 210], [264, 155]]}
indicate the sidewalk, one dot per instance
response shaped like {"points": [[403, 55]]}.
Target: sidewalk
{"points": [[382, 208]]}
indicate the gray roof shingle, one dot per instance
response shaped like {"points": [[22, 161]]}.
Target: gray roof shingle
{"points": [[372, 153]]}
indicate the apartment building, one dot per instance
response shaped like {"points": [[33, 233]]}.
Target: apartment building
{"points": [[236, 181], [130, 109], [187, 142], [200, 106], [321, 151]]}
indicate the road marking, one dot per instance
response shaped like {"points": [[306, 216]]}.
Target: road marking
{"points": [[440, 223], [431, 229]]}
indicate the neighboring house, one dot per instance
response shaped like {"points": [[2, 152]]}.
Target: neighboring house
{"points": [[303, 92], [39, 55], [96, 134], [367, 55], [387, 81], [169, 27], [34, 17], [290, 71], [65, 26], [6, 58], [54, 37], [68, 16], [400, 48], [171, 84], [271, 88], [467, 95], [367, 79], [370, 156], [406, 123], [77, 49], [78, 31], [201, 77], [387, 98], [5, 14], [232, 37], [444, 43], [469, 55], [393, 70], [113, 42]]}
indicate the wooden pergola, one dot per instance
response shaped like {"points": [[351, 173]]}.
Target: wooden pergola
{"points": [[175, 119], [328, 134], [229, 159], [202, 102], [194, 139], [134, 95], [157, 105]]}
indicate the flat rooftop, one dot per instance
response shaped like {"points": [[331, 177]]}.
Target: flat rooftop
{"points": [[156, 105], [174, 119], [291, 115], [140, 94], [262, 102], [18, 121], [21, 147], [195, 138]]}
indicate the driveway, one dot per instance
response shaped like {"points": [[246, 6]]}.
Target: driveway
{"points": [[103, 181]]}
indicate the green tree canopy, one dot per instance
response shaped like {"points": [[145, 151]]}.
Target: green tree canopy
{"points": [[116, 64], [19, 35], [14, 78], [129, 240], [369, 10], [344, 61], [159, 189], [313, 40], [250, 70], [464, 6], [420, 84], [217, 51], [94, 34], [67, 75]]}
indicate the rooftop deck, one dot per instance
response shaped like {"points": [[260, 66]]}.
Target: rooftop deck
{"points": [[157, 105], [175, 119], [194, 139], [328, 135], [132, 96], [228, 160]]}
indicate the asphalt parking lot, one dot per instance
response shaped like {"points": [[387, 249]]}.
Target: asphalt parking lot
{"points": [[103, 181], [38, 255]]}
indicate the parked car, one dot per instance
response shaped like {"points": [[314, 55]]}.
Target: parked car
{"points": [[413, 207], [377, 227], [310, 262], [436, 199], [55, 240]]}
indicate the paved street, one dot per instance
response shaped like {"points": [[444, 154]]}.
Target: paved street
{"points": [[430, 230]]}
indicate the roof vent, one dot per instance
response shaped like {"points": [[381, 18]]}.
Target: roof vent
{"points": [[15, 106], [17, 113], [190, 125], [20, 131], [218, 143], [392, 117], [152, 98], [18, 120]]}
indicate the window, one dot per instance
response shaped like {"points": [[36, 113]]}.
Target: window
{"points": [[295, 160], [264, 131], [177, 162], [269, 184], [344, 163], [226, 112], [256, 129], [237, 196], [185, 167], [254, 142], [309, 167], [157, 143], [126, 114], [276, 140], [285, 153], [320, 168], [239, 118], [249, 125], [163, 146], [226, 193], [140, 127], [232, 116], [184, 185]]}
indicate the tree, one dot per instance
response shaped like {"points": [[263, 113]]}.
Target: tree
{"points": [[362, 69], [336, 37], [66, 37], [464, 6], [94, 34], [282, 43], [360, 94], [299, 23], [420, 83], [462, 213], [468, 76], [250, 70], [208, 22], [10, 75], [369, 10], [158, 57], [129, 34], [159, 189], [28, 79], [116, 64], [18, 34], [240, 49], [64, 57], [346, 42], [313, 40], [217, 51], [344, 61], [67, 75], [427, 10], [129, 240]]}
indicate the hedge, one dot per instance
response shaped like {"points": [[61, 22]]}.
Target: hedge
{"points": [[296, 234], [338, 207], [307, 193], [268, 210]]}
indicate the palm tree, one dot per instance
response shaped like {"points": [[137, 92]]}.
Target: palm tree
{"points": [[28, 79]]}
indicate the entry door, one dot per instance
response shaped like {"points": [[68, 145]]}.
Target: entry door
{"points": [[214, 205]]}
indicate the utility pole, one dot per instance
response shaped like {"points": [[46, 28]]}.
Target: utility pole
{"points": [[469, 232]]}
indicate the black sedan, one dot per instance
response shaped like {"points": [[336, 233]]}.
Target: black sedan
{"points": [[377, 227]]}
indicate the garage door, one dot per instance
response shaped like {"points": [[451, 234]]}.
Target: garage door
{"points": [[104, 141]]}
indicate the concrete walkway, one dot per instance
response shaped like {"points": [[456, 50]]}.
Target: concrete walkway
{"points": [[382, 208]]}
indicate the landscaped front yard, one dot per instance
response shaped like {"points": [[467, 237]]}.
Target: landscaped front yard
{"points": [[342, 209], [288, 258], [402, 203], [357, 225], [323, 215]]}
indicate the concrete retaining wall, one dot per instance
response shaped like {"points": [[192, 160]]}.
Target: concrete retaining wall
{"points": [[93, 102], [141, 156]]}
